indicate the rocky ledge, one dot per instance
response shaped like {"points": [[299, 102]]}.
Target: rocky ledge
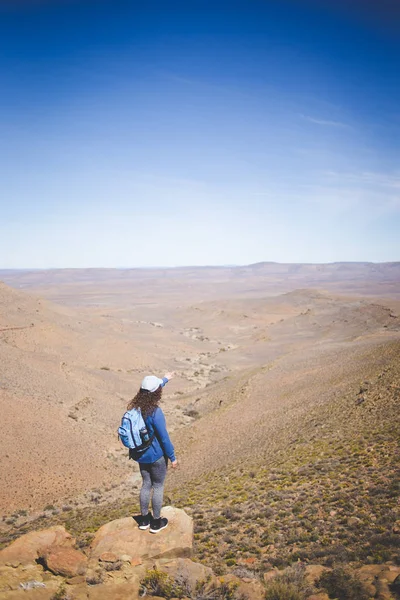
{"points": [[124, 562]]}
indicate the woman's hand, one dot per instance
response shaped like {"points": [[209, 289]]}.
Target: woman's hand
{"points": [[169, 375], [174, 464]]}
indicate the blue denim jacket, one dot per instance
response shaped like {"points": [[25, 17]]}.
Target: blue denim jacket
{"points": [[161, 444]]}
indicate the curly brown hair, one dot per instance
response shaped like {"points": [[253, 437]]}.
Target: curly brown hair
{"points": [[146, 401]]}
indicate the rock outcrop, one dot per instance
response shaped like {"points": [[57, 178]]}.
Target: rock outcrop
{"points": [[122, 538], [31, 546], [44, 565], [67, 562], [184, 569], [39, 594], [41, 561]]}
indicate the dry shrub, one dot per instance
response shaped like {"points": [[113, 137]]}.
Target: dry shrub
{"points": [[191, 412], [115, 566], [211, 591], [291, 584], [158, 583], [279, 590], [341, 583], [95, 578], [61, 593]]}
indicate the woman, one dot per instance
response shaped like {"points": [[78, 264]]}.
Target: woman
{"points": [[153, 461]]}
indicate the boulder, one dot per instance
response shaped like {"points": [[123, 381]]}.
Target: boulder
{"points": [[369, 573], [185, 570], [29, 547], [392, 574], [11, 578], [123, 537], [125, 575], [78, 592], [319, 596], [77, 580], [65, 561], [314, 572], [253, 590], [110, 557], [114, 591], [39, 594], [377, 579]]}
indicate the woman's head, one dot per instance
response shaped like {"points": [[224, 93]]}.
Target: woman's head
{"points": [[148, 397]]}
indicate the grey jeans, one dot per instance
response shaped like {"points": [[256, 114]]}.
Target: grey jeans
{"points": [[153, 475]]}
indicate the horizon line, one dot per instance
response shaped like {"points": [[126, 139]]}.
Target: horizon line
{"points": [[220, 266]]}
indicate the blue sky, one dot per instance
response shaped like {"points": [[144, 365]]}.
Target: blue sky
{"points": [[198, 132]]}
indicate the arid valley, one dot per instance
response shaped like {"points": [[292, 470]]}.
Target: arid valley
{"points": [[286, 392]]}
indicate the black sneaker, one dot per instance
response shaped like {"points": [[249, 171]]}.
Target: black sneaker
{"points": [[158, 524], [144, 522]]}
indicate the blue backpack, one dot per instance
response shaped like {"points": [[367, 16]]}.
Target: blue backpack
{"points": [[133, 431]]}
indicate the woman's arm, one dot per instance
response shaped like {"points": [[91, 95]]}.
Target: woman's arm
{"points": [[160, 427], [166, 378]]}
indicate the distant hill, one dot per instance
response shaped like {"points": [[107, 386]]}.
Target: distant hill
{"points": [[264, 278]]}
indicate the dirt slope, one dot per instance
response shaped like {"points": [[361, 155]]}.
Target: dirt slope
{"points": [[248, 371], [47, 453], [324, 487], [65, 379]]}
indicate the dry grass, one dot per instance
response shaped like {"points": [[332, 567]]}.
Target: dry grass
{"points": [[327, 501], [157, 583]]}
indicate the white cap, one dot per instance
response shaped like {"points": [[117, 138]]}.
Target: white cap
{"points": [[151, 383]]}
